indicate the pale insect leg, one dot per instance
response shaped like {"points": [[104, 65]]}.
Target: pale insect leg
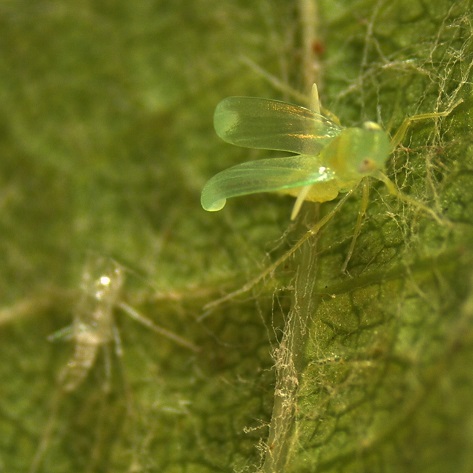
{"points": [[395, 141], [271, 268], [284, 88], [315, 107], [47, 432], [315, 99], [393, 190], [402, 130], [361, 213]]}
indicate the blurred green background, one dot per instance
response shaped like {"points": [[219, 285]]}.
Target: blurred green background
{"points": [[106, 140]]}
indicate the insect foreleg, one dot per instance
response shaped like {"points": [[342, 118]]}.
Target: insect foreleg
{"points": [[315, 99], [393, 190], [395, 141], [300, 200], [274, 81], [402, 130]]}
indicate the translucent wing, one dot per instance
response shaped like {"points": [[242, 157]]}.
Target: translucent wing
{"points": [[265, 175], [271, 124]]}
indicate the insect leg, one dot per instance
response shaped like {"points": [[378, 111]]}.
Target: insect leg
{"points": [[393, 190], [395, 141], [271, 268], [47, 432], [300, 200], [402, 130], [361, 213], [275, 82], [134, 314], [315, 99], [317, 107]]}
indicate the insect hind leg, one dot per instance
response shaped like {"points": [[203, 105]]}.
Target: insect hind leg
{"points": [[359, 221], [313, 231]]}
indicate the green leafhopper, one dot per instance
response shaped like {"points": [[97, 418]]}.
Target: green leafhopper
{"points": [[329, 159]]}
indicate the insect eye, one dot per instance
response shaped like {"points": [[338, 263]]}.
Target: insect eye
{"points": [[367, 166]]}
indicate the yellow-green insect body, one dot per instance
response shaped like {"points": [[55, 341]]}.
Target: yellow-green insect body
{"points": [[330, 159]]}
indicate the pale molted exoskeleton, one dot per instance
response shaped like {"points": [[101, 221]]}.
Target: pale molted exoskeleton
{"points": [[93, 330], [94, 325]]}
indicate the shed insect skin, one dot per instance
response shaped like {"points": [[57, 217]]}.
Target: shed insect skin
{"points": [[93, 324], [330, 160], [93, 329]]}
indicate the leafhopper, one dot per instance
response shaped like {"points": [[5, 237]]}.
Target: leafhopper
{"points": [[329, 159]]}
